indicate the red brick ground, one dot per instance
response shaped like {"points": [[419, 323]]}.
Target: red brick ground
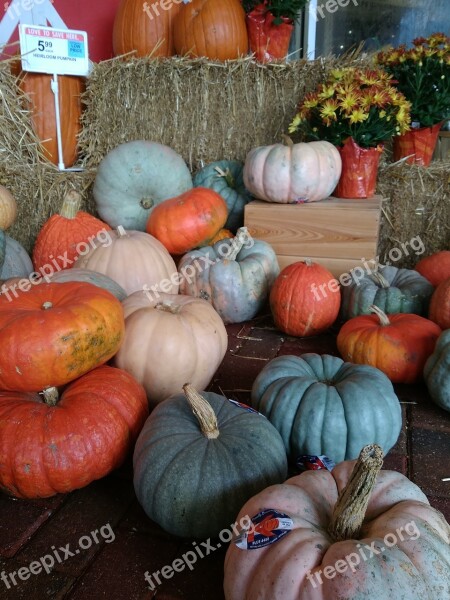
{"points": [[115, 570]]}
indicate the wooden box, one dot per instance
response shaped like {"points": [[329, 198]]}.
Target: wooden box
{"points": [[337, 233]]}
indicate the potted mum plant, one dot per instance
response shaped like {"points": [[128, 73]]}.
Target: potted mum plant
{"points": [[270, 24], [357, 110], [422, 74]]}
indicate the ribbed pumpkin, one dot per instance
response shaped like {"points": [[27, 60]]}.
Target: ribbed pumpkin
{"points": [[133, 259], [358, 534], [226, 178], [187, 221], [146, 32], [292, 173], [14, 259], [296, 304], [170, 339], [323, 405], [8, 208], [440, 305], [437, 372], [435, 267], [50, 445], [133, 178], [88, 276], [199, 458], [40, 100], [393, 290], [212, 28], [398, 345], [66, 235], [235, 275], [56, 332]]}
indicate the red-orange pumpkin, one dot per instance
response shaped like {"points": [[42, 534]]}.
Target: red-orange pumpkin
{"points": [[49, 446], [398, 345], [188, 221], [37, 88], [305, 299], [53, 333], [439, 310], [66, 235], [145, 27], [436, 267], [212, 28]]}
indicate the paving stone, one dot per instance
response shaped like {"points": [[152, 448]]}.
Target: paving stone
{"points": [[430, 461], [20, 519], [428, 415], [236, 373], [441, 504], [136, 521], [37, 587], [322, 344], [261, 343]]}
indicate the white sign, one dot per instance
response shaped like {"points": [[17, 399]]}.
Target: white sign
{"points": [[55, 51]]}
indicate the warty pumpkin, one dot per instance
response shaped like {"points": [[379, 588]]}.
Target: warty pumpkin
{"points": [[199, 457], [292, 173], [357, 533], [398, 345], [52, 445], [52, 333]]}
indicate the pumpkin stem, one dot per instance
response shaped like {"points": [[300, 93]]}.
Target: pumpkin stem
{"points": [[121, 231], [46, 305], [236, 244], [227, 175], [51, 396], [287, 141], [71, 205], [379, 279], [308, 262], [146, 203], [350, 508], [203, 411], [168, 307], [384, 320]]}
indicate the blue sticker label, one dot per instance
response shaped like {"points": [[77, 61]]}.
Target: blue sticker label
{"points": [[76, 49], [267, 527], [310, 462]]}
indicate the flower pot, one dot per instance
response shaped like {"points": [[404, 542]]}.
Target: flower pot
{"points": [[420, 143], [267, 40], [359, 170]]}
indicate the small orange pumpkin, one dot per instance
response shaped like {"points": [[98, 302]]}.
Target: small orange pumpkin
{"points": [[439, 310], [435, 267]]}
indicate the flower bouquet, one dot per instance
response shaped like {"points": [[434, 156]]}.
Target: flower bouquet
{"points": [[422, 74], [357, 110]]}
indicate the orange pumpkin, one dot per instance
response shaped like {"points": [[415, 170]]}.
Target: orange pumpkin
{"points": [[145, 27], [297, 301], [223, 234], [435, 267], [41, 103], [66, 235], [188, 221], [399, 345], [212, 28], [439, 310]]}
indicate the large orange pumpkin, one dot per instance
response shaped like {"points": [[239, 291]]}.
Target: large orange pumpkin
{"points": [[145, 27], [41, 103], [439, 310], [212, 28], [398, 345], [52, 333], [188, 221], [435, 267], [305, 299], [49, 446]]}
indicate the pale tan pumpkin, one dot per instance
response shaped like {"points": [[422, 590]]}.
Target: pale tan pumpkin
{"points": [[8, 208]]}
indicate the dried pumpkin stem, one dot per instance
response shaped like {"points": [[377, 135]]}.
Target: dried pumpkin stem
{"points": [[287, 141], [46, 305], [227, 175], [378, 278], [51, 396], [384, 320], [71, 205], [168, 307], [237, 244], [203, 411], [350, 508], [121, 232]]}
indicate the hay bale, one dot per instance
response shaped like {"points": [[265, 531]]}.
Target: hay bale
{"points": [[416, 205]]}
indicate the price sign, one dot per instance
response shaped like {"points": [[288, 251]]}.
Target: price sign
{"points": [[55, 51]]}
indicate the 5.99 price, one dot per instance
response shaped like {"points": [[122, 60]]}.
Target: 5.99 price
{"points": [[44, 45]]}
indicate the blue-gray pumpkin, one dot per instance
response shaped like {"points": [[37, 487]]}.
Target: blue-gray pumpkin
{"points": [[199, 457], [234, 275], [437, 372], [226, 178], [14, 259], [323, 405], [391, 289]]}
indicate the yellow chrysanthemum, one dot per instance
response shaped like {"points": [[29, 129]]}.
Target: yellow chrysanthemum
{"points": [[358, 116], [311, 100], [349, 98], [296, 121], [328, 111], [326, 91]]}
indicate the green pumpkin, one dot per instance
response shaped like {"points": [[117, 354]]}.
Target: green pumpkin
{"points": [[437, 372], [322, 405], [133, 178], [226, 178], [236, 278], [391, 289], [196, 462], [14, 259]]}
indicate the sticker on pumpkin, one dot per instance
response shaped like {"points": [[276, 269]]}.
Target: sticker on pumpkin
{"points": [[267, 527], [244, 406], [310, 462]]}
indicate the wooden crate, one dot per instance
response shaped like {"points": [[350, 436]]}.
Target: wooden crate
{"points": [[337, 233]]}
